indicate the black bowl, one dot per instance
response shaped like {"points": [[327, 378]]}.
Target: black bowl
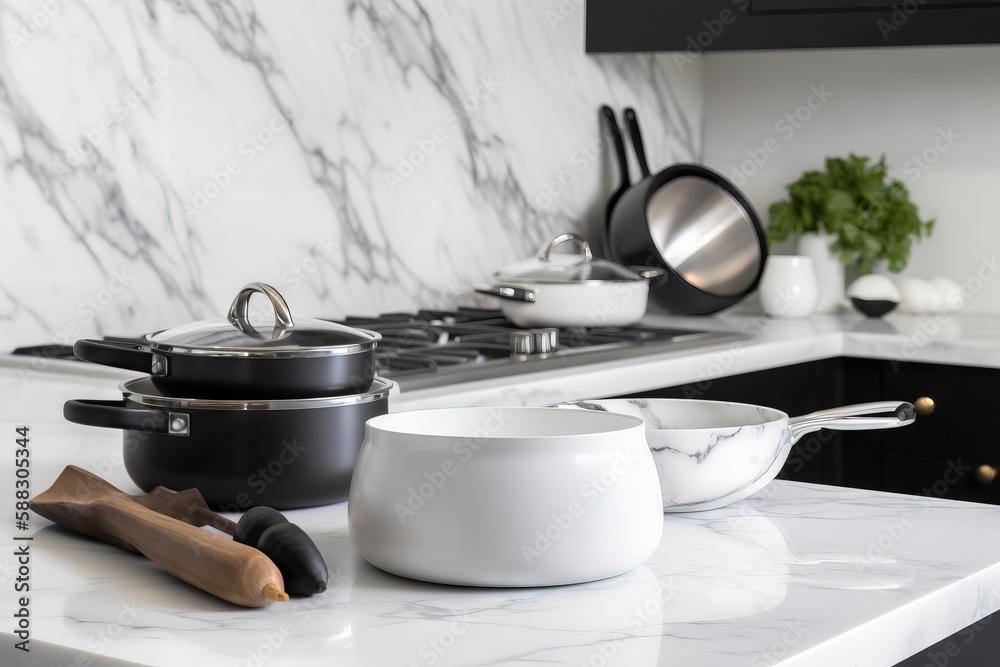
{"points": [[873, 307]]}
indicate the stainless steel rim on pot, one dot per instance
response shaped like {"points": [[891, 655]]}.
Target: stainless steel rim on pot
{"points": [[691, 222], [231, 358], [580, 292], [239, 453]]}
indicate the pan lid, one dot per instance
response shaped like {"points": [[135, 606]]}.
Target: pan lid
{"points": [[577, 268], [236, 336]]}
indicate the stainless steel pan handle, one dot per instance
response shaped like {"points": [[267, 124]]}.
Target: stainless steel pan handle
{"points": [[509, 292], [849, 418]]}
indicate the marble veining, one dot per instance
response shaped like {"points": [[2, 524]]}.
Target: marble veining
{"points": [[707, 453], [795, 575], [360, 155]]}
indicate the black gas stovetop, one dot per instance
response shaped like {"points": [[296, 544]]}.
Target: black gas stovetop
{"points": [[432, 348]]}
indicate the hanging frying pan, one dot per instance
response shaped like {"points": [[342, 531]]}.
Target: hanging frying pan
{"points": [[691, 222]]}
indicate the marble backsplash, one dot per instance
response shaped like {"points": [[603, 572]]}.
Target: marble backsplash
{"points": [[361, 156]]}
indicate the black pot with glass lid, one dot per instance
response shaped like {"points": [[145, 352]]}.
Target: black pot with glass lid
{"points": [[231, 358]]}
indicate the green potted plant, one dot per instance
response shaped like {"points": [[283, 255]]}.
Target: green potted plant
{"points": [[854, 213]]}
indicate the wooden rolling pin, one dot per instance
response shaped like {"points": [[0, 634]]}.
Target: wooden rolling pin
{"points": [[215, 564]]}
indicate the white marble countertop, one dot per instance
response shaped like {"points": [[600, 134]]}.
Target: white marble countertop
{"points": [[796, 575]]}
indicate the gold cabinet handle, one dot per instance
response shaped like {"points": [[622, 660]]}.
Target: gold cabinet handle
{"points": [[924, 406], [985, 474]]}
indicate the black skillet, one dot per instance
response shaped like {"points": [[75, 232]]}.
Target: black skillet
{"points": [[691, 222]]}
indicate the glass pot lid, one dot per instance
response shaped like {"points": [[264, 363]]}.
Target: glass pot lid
{"points": [[236, 336], [578, 268]]}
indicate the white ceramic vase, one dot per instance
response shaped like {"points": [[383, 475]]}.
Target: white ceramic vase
{"points": [[830, 276], [788, 286]]}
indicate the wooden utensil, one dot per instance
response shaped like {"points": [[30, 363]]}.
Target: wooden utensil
{"points": [[234, 572], [296, 555]]}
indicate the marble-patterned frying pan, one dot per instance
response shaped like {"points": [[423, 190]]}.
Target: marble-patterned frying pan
{"points": [[712, 453]]}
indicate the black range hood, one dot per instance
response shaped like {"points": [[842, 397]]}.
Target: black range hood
{"points": [[694, 26]]}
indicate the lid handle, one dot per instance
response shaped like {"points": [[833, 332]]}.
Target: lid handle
{"points": [[240, 310], [584, 247]]}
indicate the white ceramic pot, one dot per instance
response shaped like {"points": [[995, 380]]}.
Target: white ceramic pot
{"points": [[572, 290], [709, 454], [505, 496], [788, 286], [830, 272]]}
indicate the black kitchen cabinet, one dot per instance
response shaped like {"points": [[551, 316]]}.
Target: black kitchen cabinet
{"points": [[953, 454], [693, 26], [949, 453], [974, 646]]}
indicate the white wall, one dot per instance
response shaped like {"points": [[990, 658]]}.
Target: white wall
{"points": [[893, 101]]}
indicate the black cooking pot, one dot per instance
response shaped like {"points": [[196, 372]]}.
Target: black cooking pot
{"points": [[284, 454], [689, 221], [229, 358]]}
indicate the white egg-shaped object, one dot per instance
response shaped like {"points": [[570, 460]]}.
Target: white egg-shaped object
{"points": [[951, 291]]}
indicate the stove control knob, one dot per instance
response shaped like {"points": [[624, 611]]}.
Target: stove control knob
{"points": [[546, 340], [534, 341], [522, 343]]}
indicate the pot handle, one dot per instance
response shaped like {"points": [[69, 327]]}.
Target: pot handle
{"points": [[543, 254], [509, 292], [121, 354], [239, 312], [114, 414], [848, 418]]}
